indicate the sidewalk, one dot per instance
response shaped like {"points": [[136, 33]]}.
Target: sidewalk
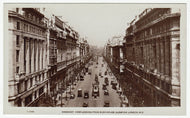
{"points": [[66, 95], [123, 97]]}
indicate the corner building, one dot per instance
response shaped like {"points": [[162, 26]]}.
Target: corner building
{"points": [[152, 53], [27, 41]]}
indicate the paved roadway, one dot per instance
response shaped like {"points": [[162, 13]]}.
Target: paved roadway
{"points": [[113, 97]]}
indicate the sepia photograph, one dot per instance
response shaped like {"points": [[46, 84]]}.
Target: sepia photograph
{"points": [[112, 57]]}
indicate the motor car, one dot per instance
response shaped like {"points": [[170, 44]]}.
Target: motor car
{"points": [[86, 94], [96, 78], [75, 83], [81, 78], [100, 73], [72, 96], [95, 90], [85, 104], [79, 92], [106, 81], [106, 103], [90, 71], [106, 92], [86, 69], [104, 86], [112, 82], [105, 73]]}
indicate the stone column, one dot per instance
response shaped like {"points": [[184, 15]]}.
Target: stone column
{"points": [[27, 56], [23, 102], [157, 54], [37, 93], [175, 70], [44, 55], [164, 61], [159, 64], [162, 55], [33, 96], [34, 63], [32, 55], [28, 84], [34, 80], [145, 54], [40, 58], [36, 55], [48, 87], [175, 67], [167, 56], [21, 56], [149, 55]]}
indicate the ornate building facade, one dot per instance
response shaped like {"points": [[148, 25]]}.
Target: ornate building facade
{"points": [[114, 53], [46, 56], [27, 40], [152, 53]]}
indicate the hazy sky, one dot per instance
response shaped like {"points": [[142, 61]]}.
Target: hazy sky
{"points": [[98, 22]]}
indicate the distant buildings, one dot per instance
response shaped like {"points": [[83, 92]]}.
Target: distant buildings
{"points": [[46, 56], [151, 51], [114, 52]]}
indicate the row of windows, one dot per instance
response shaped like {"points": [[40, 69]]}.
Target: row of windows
{"points": [[154, 57], [26, 85], [153, 17], [29, 28], [31, 16], [159, 28], [161, 84], [28, 99]]}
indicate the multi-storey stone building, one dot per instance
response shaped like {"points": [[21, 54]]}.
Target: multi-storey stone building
{"points": [[84, 52], [27, 47], [114, 53], [152, 51], [46, 56], [64, 56]]}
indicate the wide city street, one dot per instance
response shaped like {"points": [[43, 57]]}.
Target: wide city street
{"points": [[101, 69]]}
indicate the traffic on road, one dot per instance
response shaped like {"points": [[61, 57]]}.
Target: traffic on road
{"points": [[97, 87]]}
